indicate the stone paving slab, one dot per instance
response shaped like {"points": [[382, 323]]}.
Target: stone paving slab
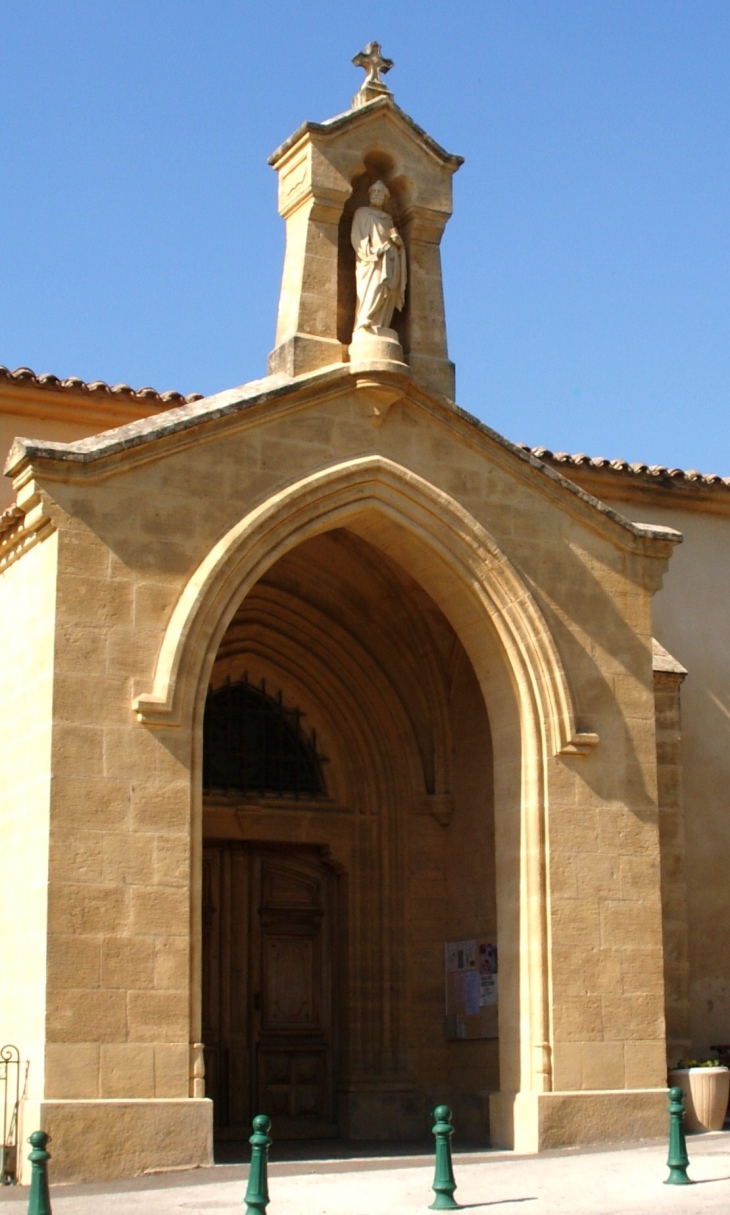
{"points": [[607, 1182]]}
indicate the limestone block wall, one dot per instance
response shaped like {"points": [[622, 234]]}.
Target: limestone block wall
{"points": [[27, 627], [691, 621], [119, 870], [672, 839], [577, 845], [602, 834]]}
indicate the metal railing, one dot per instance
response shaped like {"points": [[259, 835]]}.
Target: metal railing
{"points": [[13, 1076]]}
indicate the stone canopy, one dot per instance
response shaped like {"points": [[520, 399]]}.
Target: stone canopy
{"points": [[325, 170]]}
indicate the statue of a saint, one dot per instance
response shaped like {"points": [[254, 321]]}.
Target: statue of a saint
{"points": [[380, 266]]}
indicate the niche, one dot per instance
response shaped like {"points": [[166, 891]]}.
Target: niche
{"points": [[377, 166]]}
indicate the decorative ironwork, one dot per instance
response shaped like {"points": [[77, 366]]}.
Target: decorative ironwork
{"points": [[11, 1069], [254, 744]]}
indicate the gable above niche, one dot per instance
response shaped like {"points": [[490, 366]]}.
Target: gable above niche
{"points": [[327, 172]]}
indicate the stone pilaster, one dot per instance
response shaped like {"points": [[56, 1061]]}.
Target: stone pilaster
{"points": [[668, 679]]}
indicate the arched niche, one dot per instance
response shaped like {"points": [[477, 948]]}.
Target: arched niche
{"points": [[377, 165]]}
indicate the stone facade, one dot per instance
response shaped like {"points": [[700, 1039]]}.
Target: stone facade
{"points": [[155, 544], [690, 620], [470, 636]]}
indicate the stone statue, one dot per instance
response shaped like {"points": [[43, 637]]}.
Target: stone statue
{"points": [[380, 267]]}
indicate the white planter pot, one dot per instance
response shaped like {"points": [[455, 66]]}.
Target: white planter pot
{"points": [[706, 1091]]}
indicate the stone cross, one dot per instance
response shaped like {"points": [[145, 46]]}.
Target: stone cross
{"points": [[373, 86]]}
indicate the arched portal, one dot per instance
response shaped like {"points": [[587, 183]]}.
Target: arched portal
{"points": [[451, 557], [325, 1009]]}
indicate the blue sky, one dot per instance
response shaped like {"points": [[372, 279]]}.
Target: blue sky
{"points": [[587, 264]]}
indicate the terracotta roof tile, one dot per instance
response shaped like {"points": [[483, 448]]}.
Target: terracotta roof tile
{"points": [[656, 472], [97, 388], [24, 376]]}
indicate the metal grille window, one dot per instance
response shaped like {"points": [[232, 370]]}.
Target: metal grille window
{"points": [[252, 743]]}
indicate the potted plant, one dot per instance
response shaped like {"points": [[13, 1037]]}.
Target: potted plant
{"points": [[706, 1086]]}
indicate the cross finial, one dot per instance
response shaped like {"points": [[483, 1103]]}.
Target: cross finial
{"points": [[372, 86]]}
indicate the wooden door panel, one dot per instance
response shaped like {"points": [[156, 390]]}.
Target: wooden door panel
{"points": [[211, 946], [288, 999], [294, 1027], [282, 889], [267, 984], [239, 1087], [294, 1083], [216, 1073]]}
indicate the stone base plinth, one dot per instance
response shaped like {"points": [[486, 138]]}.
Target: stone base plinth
{"points": [[534, 1122], [100, 1140], [377, 351], [302, 352]]}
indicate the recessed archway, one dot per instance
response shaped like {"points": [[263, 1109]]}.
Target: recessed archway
{"points": [[342, 641], [451, 556]]}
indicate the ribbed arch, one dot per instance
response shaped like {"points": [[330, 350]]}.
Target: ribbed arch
{"points": [[451, 555], [352, 696], [336, 497]]}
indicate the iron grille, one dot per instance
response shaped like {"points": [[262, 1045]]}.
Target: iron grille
{"points": [[13, 1077], [253, 743]]}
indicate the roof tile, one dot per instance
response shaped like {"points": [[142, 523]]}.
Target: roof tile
{"points": [[623, 468], [25, 376]]}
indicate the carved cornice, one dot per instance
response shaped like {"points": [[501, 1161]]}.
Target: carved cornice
{"points": [[322, 131], [180, 427], [23, 525]]}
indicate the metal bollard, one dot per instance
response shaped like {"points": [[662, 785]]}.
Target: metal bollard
{"points": [[39, 1201], [443, 1182], [257, 1190], [677, 1160]]}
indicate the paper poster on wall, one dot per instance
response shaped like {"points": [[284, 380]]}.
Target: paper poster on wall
{"points": [[471, 993], [487, 974], [471, 988]]}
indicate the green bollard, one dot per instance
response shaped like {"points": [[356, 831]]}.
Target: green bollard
{"points": [[677, 1160], [39, 1201], [257, 1190], [443, 1182]]}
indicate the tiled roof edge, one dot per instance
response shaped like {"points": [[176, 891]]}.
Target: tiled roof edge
{"points": [[23, 376], [656, 472], [176, 419], [184, 417]]}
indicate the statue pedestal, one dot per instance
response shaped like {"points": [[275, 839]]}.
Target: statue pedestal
{"points": [[377, 348]]}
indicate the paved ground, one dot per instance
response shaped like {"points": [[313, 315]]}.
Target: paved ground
{"points": [[623, 1181]]}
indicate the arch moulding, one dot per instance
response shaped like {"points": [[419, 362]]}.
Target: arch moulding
{"points": [[334, 497], [515, 661]]}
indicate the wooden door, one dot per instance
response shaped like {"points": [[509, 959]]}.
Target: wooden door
{"points": [[267, 988]]}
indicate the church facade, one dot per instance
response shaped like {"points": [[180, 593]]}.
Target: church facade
{"points": [[342, 771]]}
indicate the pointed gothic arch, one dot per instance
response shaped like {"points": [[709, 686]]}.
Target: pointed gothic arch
{"points": [[511, 649]]}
